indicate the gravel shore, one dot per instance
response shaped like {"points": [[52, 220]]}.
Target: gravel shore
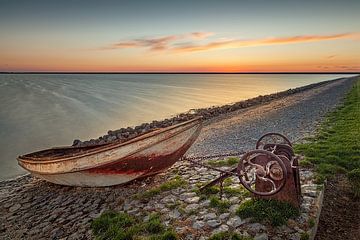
{"points": [[295, 116], [34, 209]]}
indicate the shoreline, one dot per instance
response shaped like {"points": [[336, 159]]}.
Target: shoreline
{"points": [[127, 133], [31, 208], [296, 116], [208, 114]]}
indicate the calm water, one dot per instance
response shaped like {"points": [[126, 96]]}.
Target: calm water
{"points": [[40, 111]]}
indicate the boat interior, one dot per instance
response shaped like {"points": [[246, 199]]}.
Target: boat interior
{"points": [[60, 152]]}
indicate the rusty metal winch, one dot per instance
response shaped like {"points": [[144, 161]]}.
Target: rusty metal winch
{"points": [[271, 171]]}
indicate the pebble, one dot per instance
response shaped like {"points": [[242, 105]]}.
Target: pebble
{"points": [[191, 207], [235, 222], [256, 228], [205, 203], [262, 236], [192, 200], [234, 208], [234, 200], [185, 196], [174, 214], [213, 223], [222, 228], [14, 207], [224, 216], [295, 236], [209, 216], [198, 224], [169, 199]]}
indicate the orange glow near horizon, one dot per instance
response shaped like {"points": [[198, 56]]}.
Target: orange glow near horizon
{"points": [[330, 53]]}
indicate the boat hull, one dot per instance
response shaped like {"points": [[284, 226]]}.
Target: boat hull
{"points": [[139, 158]]}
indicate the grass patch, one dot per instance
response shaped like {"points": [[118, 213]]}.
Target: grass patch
{"points": [[174, 205], [121, 226], [304, 236], [268, 211], [221, 205], [306, 163], [169, 185], [311, 222], [167, 235], [154, 224], [222, 163], [228, 236], [336, 149], [210, 190], [354, 179], [227, 181], [239, 191]]}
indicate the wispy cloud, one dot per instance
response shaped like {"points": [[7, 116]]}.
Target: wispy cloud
{"points": [[195, 41], [154, 44], [238, 43], [340, 67], [160, 43], [201, 35], [331, 56]]}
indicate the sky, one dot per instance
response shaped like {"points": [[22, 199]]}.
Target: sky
{"points": [[180, 36]]}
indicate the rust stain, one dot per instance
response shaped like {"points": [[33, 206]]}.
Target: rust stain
{"points": [[146, 165]]}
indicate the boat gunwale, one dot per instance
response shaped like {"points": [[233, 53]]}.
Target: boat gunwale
{"points": [[102, 148], [129, 155]]}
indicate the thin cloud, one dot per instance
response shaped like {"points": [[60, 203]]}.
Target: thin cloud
{"points": [[194, 42], [234, 43], [201, 35], [331, 56], [161, 43], [350, 68], [342, 67], [154, 44]]}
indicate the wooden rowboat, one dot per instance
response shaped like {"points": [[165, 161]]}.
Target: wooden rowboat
{"points": [[113, 163]]}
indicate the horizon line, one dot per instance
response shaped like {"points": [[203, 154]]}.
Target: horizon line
{"points": [[145, 72]]}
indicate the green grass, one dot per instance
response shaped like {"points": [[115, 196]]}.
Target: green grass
{"points": [[304, 236], [228, 236], [212, 191], [354, 179], [238, 191], [267, 211], [221, 205], [221, 163], [154, 224], [311, 222], [120, 226], [169, 185], [336, 147]]}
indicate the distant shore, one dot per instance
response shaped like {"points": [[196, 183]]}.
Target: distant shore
{"points": [[50, 72]]}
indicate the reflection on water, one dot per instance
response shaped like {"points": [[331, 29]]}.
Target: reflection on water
{"points": [[39, 111]]}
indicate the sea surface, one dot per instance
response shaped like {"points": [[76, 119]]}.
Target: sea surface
{"points": [[38, 111]]}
